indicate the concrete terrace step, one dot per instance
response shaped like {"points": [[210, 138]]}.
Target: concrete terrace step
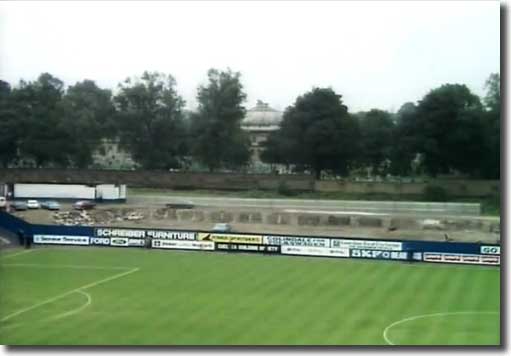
{"points": [[401, 207]]}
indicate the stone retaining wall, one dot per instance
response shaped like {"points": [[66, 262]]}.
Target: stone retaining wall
{"points": [[238, 181], [303, 219]]}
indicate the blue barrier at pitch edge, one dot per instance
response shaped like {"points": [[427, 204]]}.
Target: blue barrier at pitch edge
{"points": [[448, 247], [62, 230], [14, 224]]}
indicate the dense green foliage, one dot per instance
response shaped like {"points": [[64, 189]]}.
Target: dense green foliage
{"points": [[435, 193], [404, 146], [87, 111], [218, 140], [377, 130], [41, 136], [317, 133], [491, 164], [9, 126], [149, 120], [449, 130], [200, 298]]}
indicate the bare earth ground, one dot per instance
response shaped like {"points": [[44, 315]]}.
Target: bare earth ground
{"points": [[115, 215]]}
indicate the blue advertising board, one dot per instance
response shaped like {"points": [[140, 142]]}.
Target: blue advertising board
{"points": [[353, 247]]}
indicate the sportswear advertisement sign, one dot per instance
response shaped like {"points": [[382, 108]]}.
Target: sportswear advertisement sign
{"points": [[230, 238]]}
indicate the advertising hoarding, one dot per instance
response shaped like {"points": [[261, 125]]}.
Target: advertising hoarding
{"points": [[315, 251], [61, 240], [185, 245], [230, 238]]}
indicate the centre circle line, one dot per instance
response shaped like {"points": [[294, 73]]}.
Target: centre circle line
{"points": [[423, 316]]}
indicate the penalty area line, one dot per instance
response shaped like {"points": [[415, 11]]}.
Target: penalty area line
{"points": [[58, 316], [50, 300], [2, 257]]}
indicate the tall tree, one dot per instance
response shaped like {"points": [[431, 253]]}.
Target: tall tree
{"points": [[491, 165], [404, 147], [316, 132], [87, 113], [450, 130], [219, 140], [37, 103], [377, 132], [9, 126], [149, 120], [492, 98]]}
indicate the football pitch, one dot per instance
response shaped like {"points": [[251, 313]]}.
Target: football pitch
{"points": [[118, 296]]}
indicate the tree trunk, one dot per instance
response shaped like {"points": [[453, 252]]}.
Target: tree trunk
{"points": [[317, 173]]}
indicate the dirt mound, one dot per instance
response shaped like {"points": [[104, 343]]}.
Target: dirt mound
{"points": [[96, 217]]}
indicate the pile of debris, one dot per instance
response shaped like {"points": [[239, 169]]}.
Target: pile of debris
{"points": [[95, 217], [71, 218]]}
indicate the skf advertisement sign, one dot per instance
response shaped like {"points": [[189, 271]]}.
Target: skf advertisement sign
{"points": [[379, 255], [230, 238]]}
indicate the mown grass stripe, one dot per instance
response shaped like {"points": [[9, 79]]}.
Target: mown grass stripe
{"points": [[207, 298]]}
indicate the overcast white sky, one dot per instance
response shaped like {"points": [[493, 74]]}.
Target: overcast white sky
{"points": [[376, 54]]}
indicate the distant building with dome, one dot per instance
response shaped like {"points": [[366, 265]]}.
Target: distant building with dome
{"points": [[259, 122]]}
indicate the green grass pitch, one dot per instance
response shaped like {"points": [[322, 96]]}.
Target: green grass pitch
{"points": [[117, 296]]}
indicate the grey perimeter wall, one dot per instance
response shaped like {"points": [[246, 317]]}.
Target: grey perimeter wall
{"points": [[235, 181], [461, 187]]}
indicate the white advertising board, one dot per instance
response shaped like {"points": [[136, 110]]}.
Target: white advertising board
{"points": [[315, 251], [179, 244], [61, 240], [461, 258], [367, 244], [296, 241]]}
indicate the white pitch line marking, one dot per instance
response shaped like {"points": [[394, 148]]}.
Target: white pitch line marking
{"points": [[90, 285], [74, 311], [59, 316], [2, 257], [5, 241], [422, 316]]}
